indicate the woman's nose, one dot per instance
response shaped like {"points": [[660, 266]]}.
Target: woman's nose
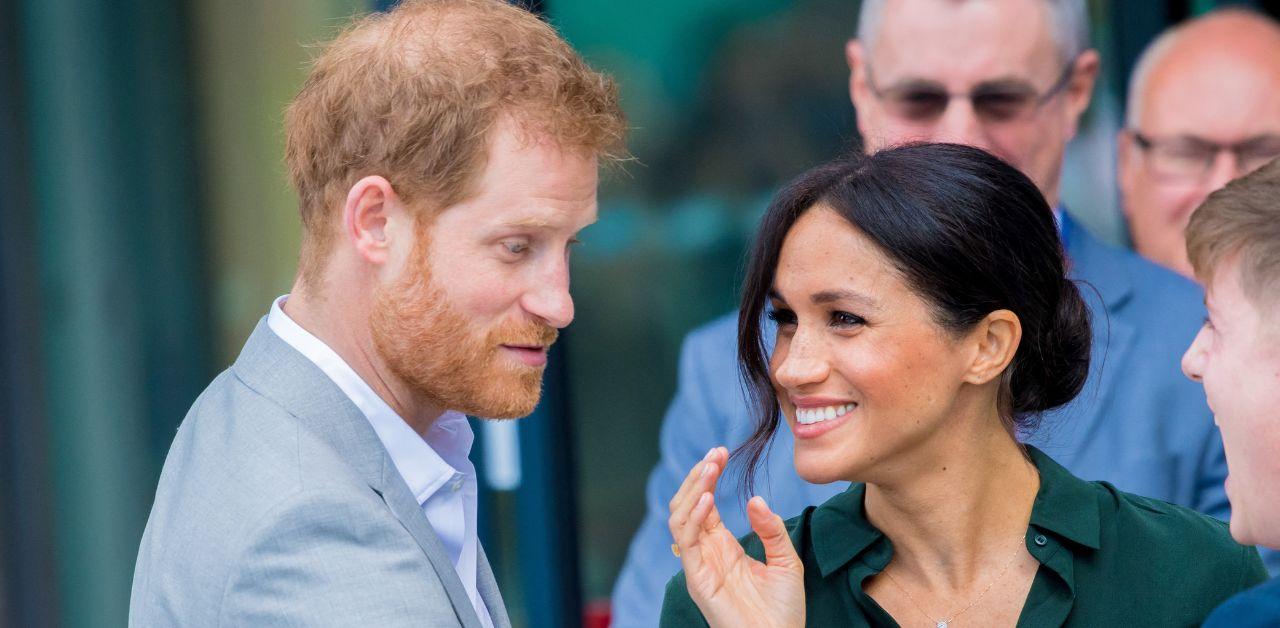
{"points": [[804, 363]]}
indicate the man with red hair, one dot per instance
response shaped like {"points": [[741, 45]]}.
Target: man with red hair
{"points": [[445, 156]]}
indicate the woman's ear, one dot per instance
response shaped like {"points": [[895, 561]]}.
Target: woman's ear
{"points": [[996, 339]]}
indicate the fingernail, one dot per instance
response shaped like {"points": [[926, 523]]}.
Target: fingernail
{"points": [[702, 500], [706, 468], [710, 452]]}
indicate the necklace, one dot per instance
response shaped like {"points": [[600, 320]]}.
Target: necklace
{"points": [[945, 622]]}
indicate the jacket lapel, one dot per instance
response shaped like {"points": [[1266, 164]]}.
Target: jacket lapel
{"points": [[489, 592], [277, 371], [402, 503]]}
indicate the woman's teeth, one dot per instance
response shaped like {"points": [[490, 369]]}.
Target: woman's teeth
{"points": [[813, 415]]}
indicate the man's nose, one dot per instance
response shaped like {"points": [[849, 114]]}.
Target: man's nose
{"points": [[1193, 359], [1226, 167], [549, 299], [960, 124]]}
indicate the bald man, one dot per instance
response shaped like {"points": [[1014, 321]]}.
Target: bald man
{"points": [[1204, 108]]}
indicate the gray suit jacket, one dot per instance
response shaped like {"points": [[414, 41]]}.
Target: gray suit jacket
{"points": [[278, 505]]}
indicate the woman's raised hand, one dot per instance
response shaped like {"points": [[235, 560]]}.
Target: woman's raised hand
{"points": [[729, 587]]}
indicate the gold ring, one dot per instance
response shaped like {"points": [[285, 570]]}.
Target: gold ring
{"points": [[675, 549]]}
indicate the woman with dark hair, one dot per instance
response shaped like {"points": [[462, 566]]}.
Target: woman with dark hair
{"points": [[924, 319]]}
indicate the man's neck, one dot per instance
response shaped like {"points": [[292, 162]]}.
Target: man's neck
{"points": [[346, 331]]}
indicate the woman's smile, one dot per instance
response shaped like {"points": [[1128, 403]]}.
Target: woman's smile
{"points": [[815, 417]]}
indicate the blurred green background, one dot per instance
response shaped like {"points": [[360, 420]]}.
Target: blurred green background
{"points": [[146, 224]]}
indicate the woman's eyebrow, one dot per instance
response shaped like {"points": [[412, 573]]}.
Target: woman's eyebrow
{"points": [[831, 296]]}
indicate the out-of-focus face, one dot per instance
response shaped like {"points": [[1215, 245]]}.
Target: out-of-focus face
{"points": [[1217, 86], [469, 318], [1237, 358], [1000, 53], [866, 380]]}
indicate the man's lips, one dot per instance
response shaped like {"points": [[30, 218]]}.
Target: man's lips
{"points": [[531, 355]]}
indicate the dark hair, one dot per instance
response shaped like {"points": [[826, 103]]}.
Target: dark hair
{"points": [[968, 233]]}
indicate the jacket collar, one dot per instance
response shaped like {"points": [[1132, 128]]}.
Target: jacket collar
{"points": [[277, 371]]}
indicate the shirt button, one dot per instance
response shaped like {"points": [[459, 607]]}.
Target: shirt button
{"points": [[456, 485], [1041, 540]]}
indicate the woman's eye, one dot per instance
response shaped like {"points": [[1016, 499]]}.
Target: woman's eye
{"points": [[516, 247], [782, 317], [845, 319]]}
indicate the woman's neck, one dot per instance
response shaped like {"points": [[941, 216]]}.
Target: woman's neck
{"points": [[958, 508]]}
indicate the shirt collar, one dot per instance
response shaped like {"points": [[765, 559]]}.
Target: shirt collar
{"points": [[425, 464], [1065, 506], [841, 531]]}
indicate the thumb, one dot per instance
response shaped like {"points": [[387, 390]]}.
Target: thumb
{"points": [[778, 550]]}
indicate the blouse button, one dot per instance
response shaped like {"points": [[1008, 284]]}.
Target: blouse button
{"points": [[1041, 540]]}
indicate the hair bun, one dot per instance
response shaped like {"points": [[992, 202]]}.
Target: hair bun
{"points": [[1052, 372]]}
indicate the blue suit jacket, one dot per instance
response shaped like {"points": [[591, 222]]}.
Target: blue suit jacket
{"points": [[1258, 607], [1138, 423]]}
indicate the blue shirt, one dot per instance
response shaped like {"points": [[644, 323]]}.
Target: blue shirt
{"points": [[1138, 424], [1258, 607]]}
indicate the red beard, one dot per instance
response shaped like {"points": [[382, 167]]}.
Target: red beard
{"points": [[432, 348]]}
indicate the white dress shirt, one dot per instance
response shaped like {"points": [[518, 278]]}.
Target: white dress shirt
{"points": [[435, 467]]}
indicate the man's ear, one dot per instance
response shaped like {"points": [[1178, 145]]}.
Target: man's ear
{"points": [[1079, 91], [855, 58], [996, 338], [371, 205], [1126, 162]]}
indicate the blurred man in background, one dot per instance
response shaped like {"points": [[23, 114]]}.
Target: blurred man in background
{"points": [[1204, 108], [1012, 77], [445, 156], [1233, 244]]}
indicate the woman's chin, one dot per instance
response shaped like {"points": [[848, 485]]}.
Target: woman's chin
{"points": [[816, 471]]}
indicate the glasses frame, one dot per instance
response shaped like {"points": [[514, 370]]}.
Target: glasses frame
{"points": [[1064, 79], [1148, 144]]}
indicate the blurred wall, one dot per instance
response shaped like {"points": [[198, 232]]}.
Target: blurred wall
{"points": [[249, 59]]}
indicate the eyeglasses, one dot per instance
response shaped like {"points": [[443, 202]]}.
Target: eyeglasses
{"points": [[1187, 158], [994, 102]]}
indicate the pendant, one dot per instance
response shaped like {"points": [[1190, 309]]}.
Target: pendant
{"points": [[942, 623]]}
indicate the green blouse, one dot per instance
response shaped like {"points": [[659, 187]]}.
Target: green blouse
{"points": [[1107, 558]]}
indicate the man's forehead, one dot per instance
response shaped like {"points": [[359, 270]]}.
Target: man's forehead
{"points": [[1246, 102], [963, 42]]}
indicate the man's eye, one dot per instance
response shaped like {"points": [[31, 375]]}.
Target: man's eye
{"points": [[1000, 106], [516, 247], [921, 105]]}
